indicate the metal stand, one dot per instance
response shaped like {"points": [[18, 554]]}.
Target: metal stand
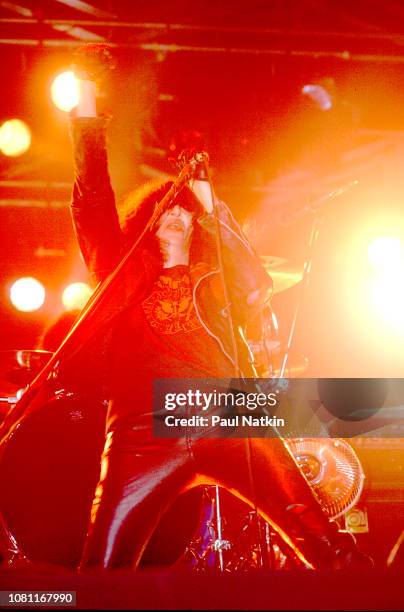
{"points": [[10, 553], [315, 208], [219, 545], [315, 230], [252, 547], [205, 552]]}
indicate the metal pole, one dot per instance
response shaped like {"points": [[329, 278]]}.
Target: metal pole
{"points": [[315, 229], [218, 543]]}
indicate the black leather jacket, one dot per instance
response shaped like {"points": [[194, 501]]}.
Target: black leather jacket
{"points": [[102, 244]]}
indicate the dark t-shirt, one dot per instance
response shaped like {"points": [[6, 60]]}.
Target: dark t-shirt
{"points": [[160, 338]]}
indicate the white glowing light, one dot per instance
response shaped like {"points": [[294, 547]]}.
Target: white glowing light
{"points": [[76, 295], [388, 299], [387, 285], [385, 252], [320, 96], [15, 137], [27, 294], [64, 91]]}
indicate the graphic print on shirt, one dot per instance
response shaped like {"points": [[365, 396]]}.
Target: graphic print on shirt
{"points": [[169, 309]]}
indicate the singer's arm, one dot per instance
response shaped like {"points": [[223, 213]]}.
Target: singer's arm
{"points": [[247, 280], [93, 203]]}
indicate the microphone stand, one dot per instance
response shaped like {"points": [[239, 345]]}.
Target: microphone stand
{"points": [[314, 233], [228, 305], [200, 166], [101, 293], [315, 208]]}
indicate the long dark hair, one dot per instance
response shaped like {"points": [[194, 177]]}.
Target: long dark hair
{"points": [[138, 206]]}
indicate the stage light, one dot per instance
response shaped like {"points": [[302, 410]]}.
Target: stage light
{"points": [[387, 297], [27, 294], [385, 253], [320, 94], [76, 295], [387, 287], [64, 91], [15, 137]]}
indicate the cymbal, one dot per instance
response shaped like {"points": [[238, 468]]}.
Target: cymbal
{"points": [[295, 367], [284, 273], [19, 367]]}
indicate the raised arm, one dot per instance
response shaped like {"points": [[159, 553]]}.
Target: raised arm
{"points": [[249, 285], [93, 203]]}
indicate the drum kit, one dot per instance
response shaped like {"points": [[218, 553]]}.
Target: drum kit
{"points": [[49, 468]]}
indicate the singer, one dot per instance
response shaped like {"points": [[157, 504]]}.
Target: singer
{"points": [[171, 316]]}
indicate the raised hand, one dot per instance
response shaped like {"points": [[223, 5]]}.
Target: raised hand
{"points": [[199, 182], [93, 62]]}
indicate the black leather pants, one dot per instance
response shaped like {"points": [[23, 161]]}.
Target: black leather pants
{"points": [[141, 476]]}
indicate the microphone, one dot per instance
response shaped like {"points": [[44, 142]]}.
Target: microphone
{"points": [[200, 167], [198, 162], [199, 181]]}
